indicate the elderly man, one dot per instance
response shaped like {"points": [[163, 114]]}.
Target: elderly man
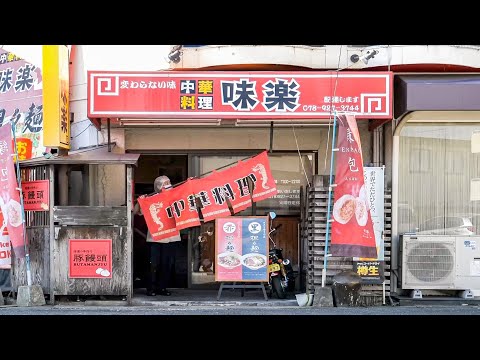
{"points": [[160, 252]]}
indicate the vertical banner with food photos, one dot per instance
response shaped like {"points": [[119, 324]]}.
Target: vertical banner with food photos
{"points": [[241, 249], [372, 270], [5, 247], [9, 194], [352, 227]]}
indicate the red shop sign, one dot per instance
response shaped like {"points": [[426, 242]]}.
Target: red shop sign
{"points": [[36, 195], [239, 95], [24, 148], [90, 258]]}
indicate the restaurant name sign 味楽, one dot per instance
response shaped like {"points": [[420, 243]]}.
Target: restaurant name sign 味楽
{"points": [[238, 95]]}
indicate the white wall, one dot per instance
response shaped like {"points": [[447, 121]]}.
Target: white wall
{"points": [[218, 138], [109, 180], [105, 57]]}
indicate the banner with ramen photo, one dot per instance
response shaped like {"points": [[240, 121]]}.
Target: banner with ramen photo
{"points": [[352, 227], [9, 194]]}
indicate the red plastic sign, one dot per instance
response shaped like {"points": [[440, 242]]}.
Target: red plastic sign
{"points": [[24, 148], [239, 95], [36, 195], [90, 258]]}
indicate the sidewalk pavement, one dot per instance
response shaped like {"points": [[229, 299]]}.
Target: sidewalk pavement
{"points": [[194, 297], [179, 298]]}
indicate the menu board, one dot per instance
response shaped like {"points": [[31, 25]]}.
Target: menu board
{"points": [[241, 249]]}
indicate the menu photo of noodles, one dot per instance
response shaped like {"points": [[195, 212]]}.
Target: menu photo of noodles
{"points": [[229, 260], [254, 261]]}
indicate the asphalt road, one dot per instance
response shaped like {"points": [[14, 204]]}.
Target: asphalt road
{"points": [[457, 310], [194, 327]]}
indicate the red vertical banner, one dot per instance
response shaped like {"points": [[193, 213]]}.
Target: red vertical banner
{"points": [[352, 229], [259, 167], [9, 194], [158, 215]]}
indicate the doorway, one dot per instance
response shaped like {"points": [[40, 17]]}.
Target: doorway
{"points": [[150, 167]]}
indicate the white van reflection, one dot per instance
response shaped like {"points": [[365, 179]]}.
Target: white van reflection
{"points": [[447, 225], [407, 220]]}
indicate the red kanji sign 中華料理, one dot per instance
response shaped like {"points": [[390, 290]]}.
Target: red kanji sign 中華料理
{"points": [[170, 211]]}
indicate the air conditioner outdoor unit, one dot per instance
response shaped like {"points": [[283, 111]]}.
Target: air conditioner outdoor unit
{"points": [[440, 262]]}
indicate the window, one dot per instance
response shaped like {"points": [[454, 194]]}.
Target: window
{"points": [[436, 170]]}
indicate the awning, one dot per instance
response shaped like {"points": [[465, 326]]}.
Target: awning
{"points": [[97, 155], [436, 92]]}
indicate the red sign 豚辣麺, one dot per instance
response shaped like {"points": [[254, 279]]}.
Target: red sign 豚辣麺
{"points": [[36, 195], [237, 95], [90, 258]]}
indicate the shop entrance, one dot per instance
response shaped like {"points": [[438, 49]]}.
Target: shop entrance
{"points": [[150, 167]]}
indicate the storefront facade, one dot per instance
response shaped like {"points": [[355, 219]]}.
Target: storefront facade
{"points": [[435, 170], [429, 149], [183, 144]]}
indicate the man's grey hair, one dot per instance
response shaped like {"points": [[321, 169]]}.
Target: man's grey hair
{"points": [[161, 182]]}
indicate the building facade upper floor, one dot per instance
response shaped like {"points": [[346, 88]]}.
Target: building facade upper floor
{"points": [[397, 58]]}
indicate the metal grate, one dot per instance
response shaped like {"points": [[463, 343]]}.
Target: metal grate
{"points": [[35, 218], [430, 261]]}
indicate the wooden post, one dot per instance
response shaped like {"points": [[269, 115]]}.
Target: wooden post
{"points": [[51, 178], [85, 197], [63, 185], [129, 233]]}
